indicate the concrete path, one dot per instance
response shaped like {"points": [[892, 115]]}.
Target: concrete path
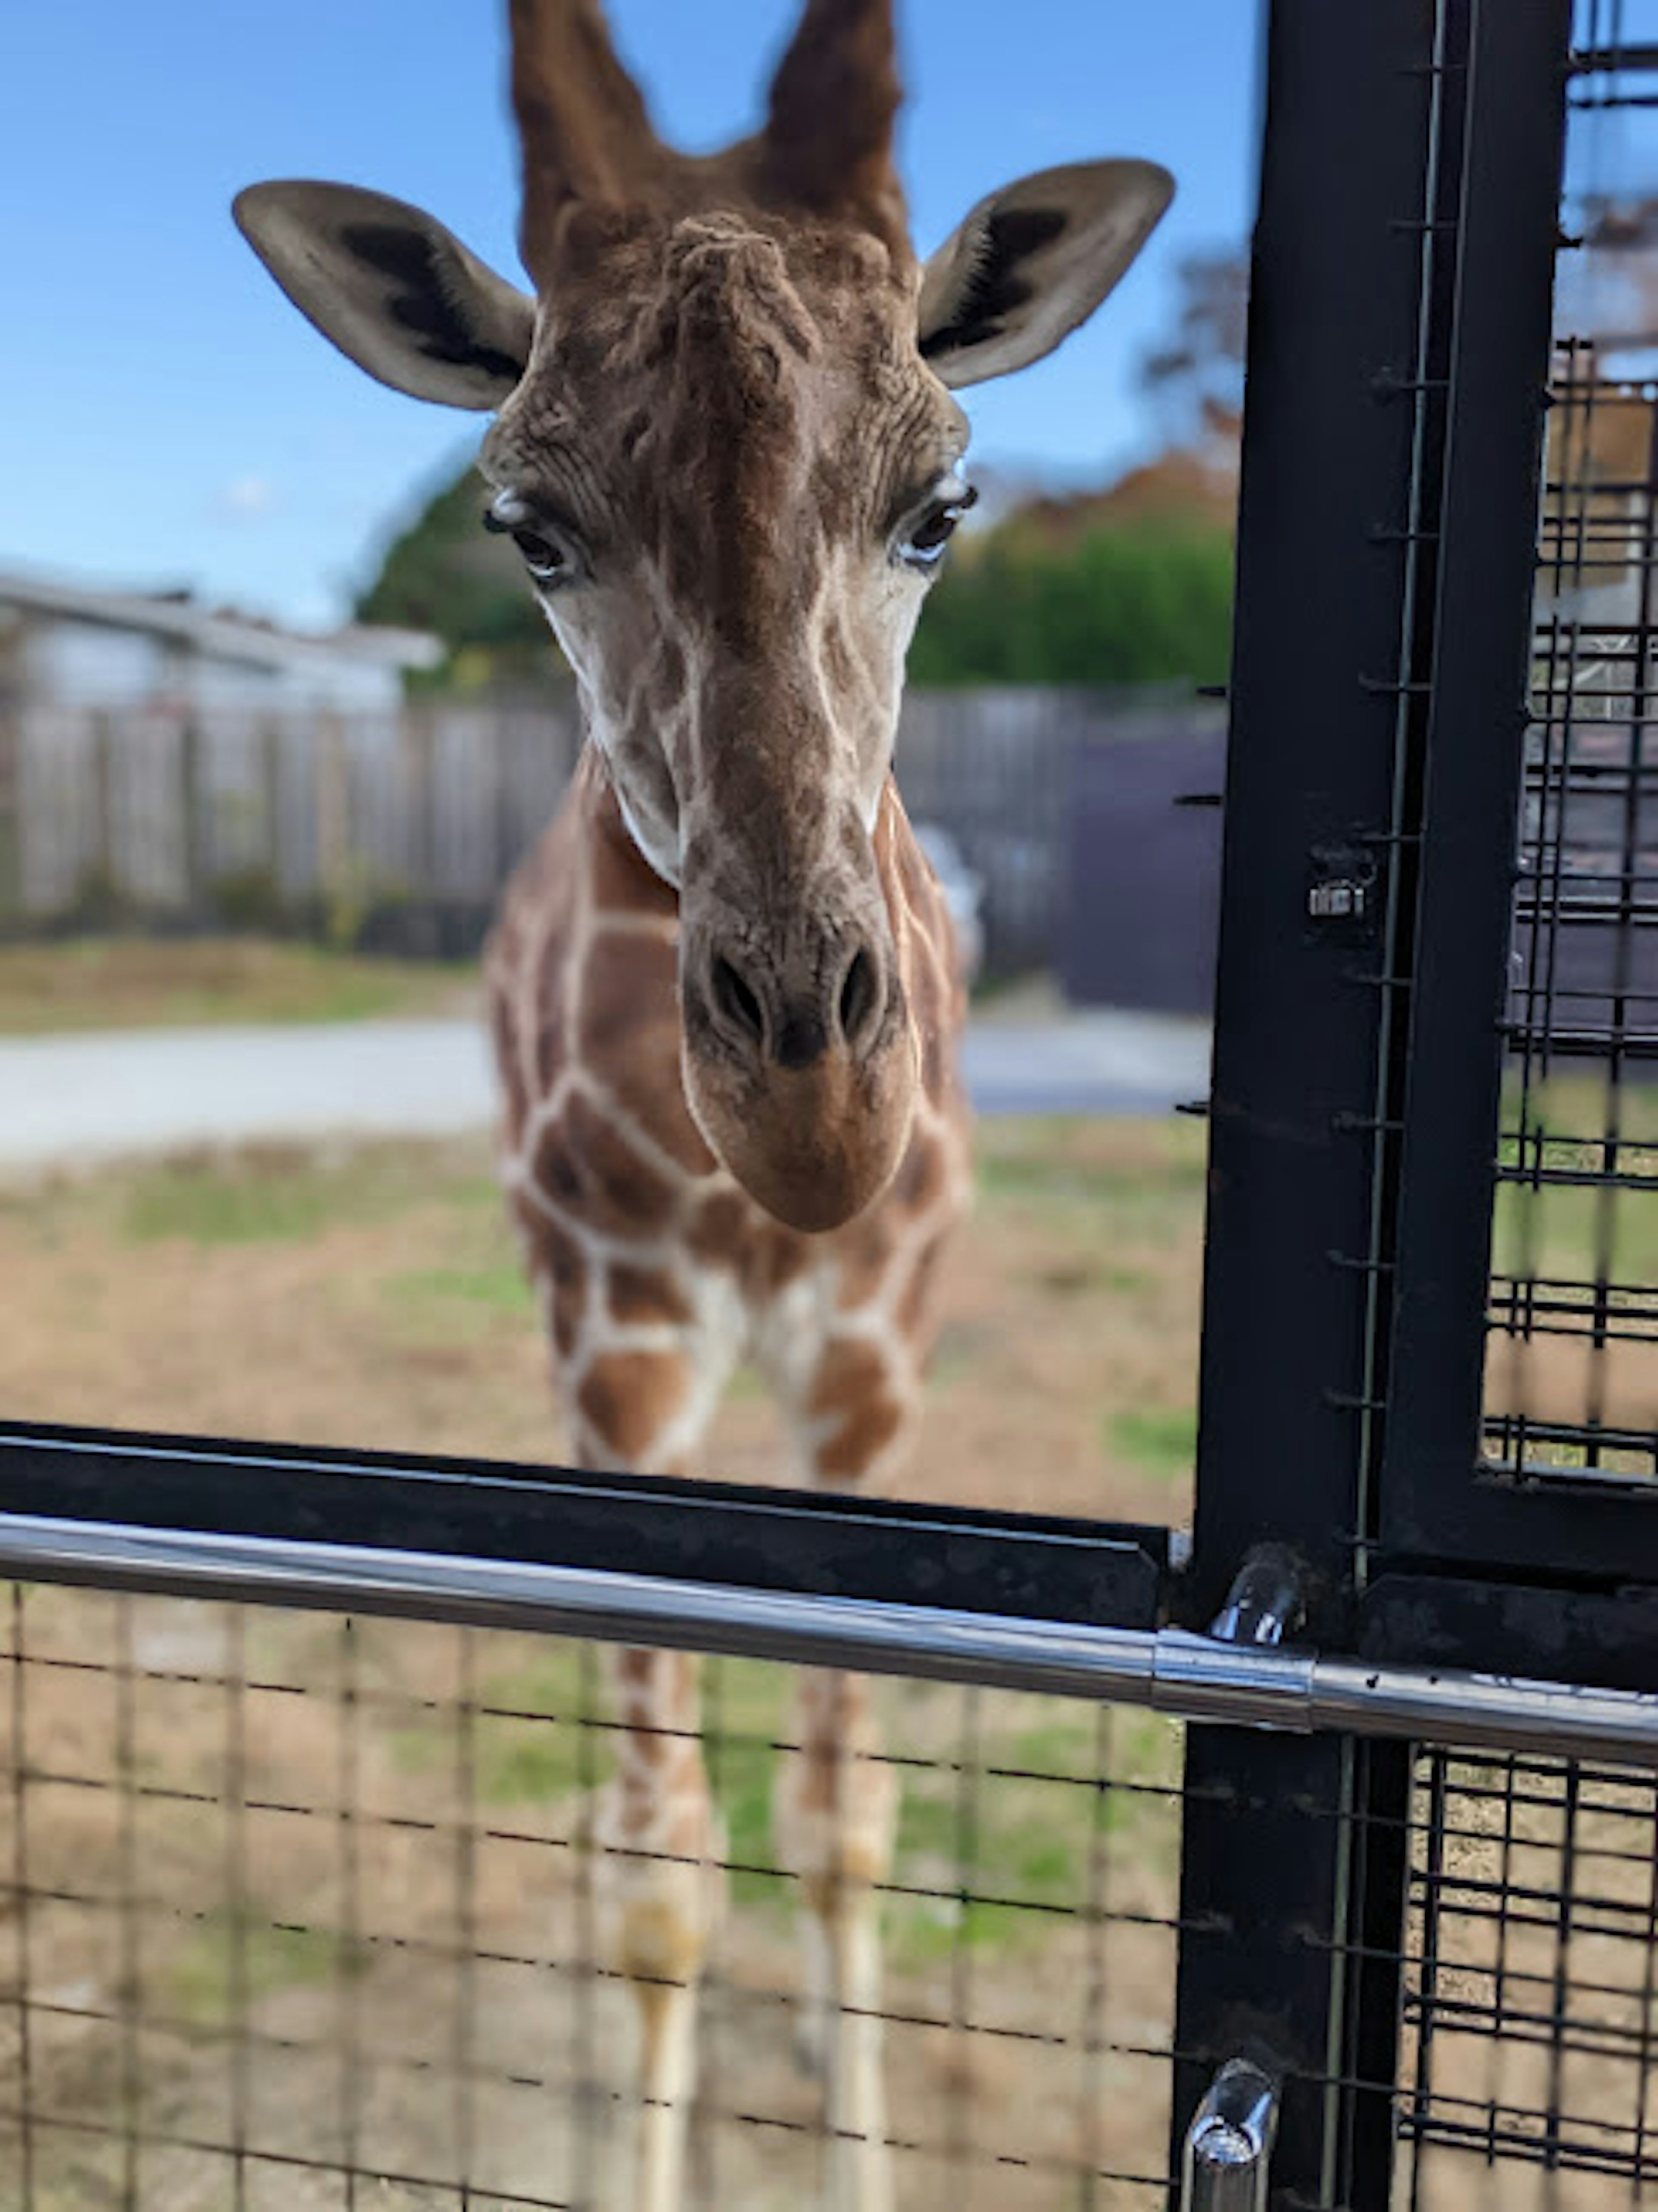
{"points": [[68, 1100]]}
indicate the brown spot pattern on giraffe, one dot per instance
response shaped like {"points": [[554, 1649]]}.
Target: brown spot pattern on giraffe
{"points": [[863, 1253], [919, 1182], [869, 1427], [620, 880], [630, 1039], [515, 1103], [559, 1258], [775, 1258], [917, 1316], [855, 1387], [587, 1166], [647, 1294], [835, 1726], [663, 1790], [627, 1398], [715, 1235], [552, 1044]]}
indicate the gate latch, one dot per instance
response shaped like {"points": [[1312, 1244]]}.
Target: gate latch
{"points": [[1228, 2145]]}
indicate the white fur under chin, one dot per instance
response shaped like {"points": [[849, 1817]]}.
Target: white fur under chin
{"points": [[657, 862]]}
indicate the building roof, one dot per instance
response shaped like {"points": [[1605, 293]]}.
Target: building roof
{"points": [[218, 634]]}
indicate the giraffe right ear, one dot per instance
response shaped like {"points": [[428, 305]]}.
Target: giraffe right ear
{"points": [[392, 289], [1032, 262]]}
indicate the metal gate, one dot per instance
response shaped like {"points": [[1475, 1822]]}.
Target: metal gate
{"points": [[1326, 1843]]}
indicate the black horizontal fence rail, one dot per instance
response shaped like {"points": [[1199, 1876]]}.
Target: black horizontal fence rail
{"points": [[812, 1543]]}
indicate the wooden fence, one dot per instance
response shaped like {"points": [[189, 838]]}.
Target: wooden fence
{"points": [[398, 829]]}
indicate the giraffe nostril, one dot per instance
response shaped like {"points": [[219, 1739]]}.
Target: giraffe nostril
{"points": [[802, 1040], [734, 998], [860, 997]]}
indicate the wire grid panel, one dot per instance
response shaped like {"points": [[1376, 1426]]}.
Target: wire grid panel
{"points": [[1529, 2072], [303, 1911], [1572, 1375]]}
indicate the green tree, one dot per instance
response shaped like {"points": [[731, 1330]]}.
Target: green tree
{"points": [[1141, 603]]}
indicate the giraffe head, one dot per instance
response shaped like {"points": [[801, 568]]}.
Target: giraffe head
{"points": [[726, 445]]}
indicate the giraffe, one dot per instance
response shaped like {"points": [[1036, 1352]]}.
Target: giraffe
{"points": [[723, 990]]}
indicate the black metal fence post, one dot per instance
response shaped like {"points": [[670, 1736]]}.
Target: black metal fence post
{"points": [[1294, 1875]]}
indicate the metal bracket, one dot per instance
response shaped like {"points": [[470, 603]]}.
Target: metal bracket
{"points": [[1341, 891], [1265, 1605], [1228, 2145]]}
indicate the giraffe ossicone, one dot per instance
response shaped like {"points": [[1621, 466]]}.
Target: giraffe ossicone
{"points": [[725, 1001]]}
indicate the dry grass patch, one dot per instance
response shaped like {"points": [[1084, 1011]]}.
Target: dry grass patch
{"points": [[108, 983]]}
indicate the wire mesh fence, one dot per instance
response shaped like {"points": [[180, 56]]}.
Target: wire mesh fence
{"points": [[306, 1911], [1572, 1379], [1531, 2011]]}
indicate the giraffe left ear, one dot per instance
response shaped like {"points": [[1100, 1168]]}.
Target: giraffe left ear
{"points": [[1032, 262], [394, 291]]}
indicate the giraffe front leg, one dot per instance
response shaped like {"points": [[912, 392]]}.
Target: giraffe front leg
{"points": [[640, 1391], [851, 1407], [837, 1815], [659, 1886]]}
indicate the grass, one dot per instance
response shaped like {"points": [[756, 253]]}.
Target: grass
{"points": [[284, 1194], [374, 1296], [990, 1857], [105, 983], [995, 1853], [1564, 1230], [536, 1741], [232, 1953], [1162, 1440], [1144, 1167]]}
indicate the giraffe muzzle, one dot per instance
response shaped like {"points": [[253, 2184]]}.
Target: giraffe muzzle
{"points": [[801, 1073]]}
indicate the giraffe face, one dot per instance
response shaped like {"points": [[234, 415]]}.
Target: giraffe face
{"points": [[731, 477]]}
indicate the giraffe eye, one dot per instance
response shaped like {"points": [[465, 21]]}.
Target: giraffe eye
{"points": [[922, 544], [549, 553], [545, 559]]}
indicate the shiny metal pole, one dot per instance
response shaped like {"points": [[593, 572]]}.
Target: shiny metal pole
{"points": [[1190, 1677], [1228, 2145]]}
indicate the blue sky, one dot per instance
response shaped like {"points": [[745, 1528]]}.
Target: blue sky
{"points": [[166, 418]]}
